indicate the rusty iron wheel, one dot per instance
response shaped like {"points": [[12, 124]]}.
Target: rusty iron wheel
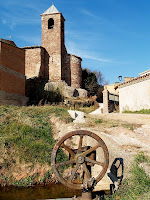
{"points": [[79, 158]]}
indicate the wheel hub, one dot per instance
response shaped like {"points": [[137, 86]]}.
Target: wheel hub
{"points": [[80, 159]]}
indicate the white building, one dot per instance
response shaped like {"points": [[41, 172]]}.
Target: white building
{"points": [[134, 94]]}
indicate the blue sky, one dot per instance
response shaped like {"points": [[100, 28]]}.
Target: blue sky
{"points": [[111, 36]]}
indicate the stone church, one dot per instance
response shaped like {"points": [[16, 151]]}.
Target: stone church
{"points": [[50, 61]]}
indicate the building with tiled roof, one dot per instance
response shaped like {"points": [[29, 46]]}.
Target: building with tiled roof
{"points": [[134, 95]]}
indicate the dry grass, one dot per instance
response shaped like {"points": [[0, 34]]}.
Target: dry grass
{"points": [[109, 123]]}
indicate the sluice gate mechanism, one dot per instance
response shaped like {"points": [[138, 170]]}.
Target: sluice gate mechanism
{"points": [[85, 162]]}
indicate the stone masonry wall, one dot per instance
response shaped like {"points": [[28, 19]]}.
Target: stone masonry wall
{"points": [[51, 61], [52, 42], [66, 70], [76, 71], [12, 69], [34, 62]]}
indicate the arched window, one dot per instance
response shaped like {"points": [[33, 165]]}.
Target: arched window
{"points": [[50, 23]]}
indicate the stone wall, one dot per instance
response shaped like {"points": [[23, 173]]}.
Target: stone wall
{"points": [[76, 71], [66, 70], [52, 41], [34, 62], [72, 71]]}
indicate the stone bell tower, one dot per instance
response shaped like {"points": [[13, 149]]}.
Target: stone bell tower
{"points": [[53, 42]]}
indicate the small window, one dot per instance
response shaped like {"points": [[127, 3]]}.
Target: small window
{"points": [[50, 23], [62, 25]]}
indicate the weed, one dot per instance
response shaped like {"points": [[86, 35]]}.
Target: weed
{"points": [[143, 111], [129, 126], [23, 182], [140, 158], [99, 121], [114, 123]]}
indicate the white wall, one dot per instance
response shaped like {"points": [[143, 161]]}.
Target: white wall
{"points": [[135, 97]]}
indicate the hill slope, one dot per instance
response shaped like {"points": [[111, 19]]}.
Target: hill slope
{"points": [[26, 143]]}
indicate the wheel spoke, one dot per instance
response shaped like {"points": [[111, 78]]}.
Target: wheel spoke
{"points": [[65, 163], [68, 149], [73, 172], [86, 171], [80, 142], [93, 161], [90, 150]]}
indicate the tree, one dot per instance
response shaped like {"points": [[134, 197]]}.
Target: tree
{"points": [[91, 81], [100, 78]]}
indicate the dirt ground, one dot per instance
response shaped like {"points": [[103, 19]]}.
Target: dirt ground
{"points": [[130, 118], [138, 138], [124, 134]]}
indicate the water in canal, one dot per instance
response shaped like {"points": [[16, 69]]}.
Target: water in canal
{"points": [[50, 191]]}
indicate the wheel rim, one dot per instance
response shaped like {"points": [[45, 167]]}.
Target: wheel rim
{"points": [[80, 158]]}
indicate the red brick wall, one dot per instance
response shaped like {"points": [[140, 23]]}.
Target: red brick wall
{"points": [[34, 62], [12, 84], [12, 57], [12, 68]]}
